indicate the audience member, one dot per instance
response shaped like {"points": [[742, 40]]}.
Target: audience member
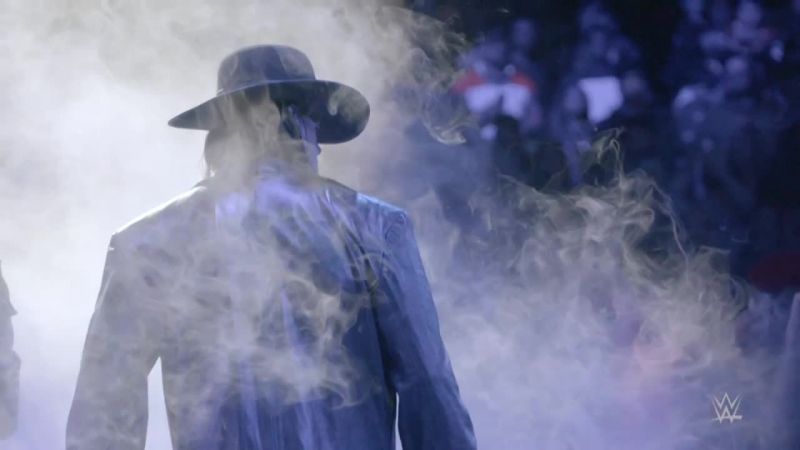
{"points": [[604, 51], [641, 123], [748, 35], [687, 59], [492, 85]]}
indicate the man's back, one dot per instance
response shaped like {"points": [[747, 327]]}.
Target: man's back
{"points": [[287, 314]]}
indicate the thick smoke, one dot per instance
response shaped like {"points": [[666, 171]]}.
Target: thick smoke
{"points": [[577, 320], [577, 334]]}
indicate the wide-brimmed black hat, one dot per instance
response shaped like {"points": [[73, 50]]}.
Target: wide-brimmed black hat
{"points": [[284, 74]]}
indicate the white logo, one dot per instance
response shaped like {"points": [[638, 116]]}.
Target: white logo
{"points": [[727, 409]]}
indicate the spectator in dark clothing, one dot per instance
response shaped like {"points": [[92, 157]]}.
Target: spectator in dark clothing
{"points": [[523, 39], [728, 133], [720, 13], [571, 128], [594, 15], [791, 33], [716, 40], [491, 86], [508, 154], [730, 150], [549, 171], [604, 51], [641, 123], [687, 59], [775, 229], [748, 34], [780, 188], [787, 71]]}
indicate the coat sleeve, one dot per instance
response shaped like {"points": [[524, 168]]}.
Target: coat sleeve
{"points": [[431, 414], [9, 366], [109, 409]]}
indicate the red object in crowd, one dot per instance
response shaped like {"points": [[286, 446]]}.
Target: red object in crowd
{"points": [[472, 79], [776, 272]]}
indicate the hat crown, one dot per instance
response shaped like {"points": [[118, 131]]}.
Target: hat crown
{"points": [[263, 64], [285, 75]]}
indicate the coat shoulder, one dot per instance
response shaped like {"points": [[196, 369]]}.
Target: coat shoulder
{"points": [[370, 208], [379, 206], [167, 220]]}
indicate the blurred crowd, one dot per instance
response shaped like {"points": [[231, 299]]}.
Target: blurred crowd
{"points": [[717, 126], [712, 117]]}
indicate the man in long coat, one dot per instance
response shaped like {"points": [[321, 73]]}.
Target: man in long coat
{"points": [[288, 311]]}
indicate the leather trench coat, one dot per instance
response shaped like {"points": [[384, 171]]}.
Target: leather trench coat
{"points": [[291, 313]]}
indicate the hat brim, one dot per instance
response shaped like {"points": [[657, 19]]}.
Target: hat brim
{"points": [[340, 111]]}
